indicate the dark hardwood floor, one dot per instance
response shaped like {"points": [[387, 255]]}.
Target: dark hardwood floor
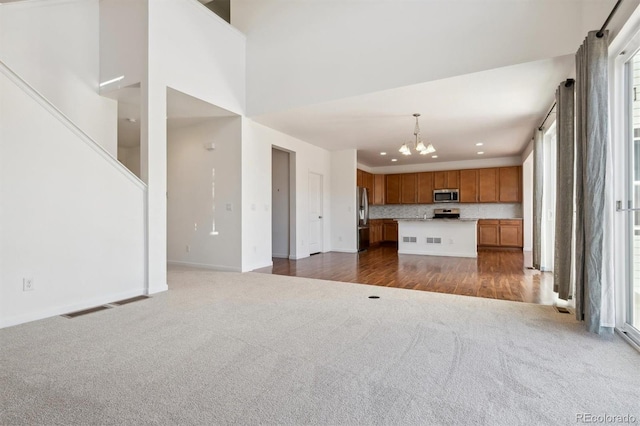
{"points": [[494, 274]]}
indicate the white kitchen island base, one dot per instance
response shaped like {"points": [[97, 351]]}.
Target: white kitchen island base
{"points": [[438, 237]]}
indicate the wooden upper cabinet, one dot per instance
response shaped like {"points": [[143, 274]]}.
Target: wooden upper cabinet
{"points": [[446, 179], [378, 190], [392, 189], [453, 179], [359, 179], [488, 185], [425, 188], [510, 179], [468, 186], [368, 183], [408, 188]]}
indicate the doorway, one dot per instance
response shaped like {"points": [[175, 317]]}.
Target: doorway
{"points": [[281, 202], [315, 213]]}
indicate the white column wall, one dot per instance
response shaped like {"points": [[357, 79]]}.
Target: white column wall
{"points": [[343, 201], [308, 158], [191, 50], [256, 199]]}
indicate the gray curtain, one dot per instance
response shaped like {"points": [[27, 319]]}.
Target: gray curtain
{"points": [[565, 141], [592, 118], [538, 176]]}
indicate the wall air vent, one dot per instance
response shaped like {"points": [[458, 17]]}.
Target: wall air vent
{"points": [[434, 240], [409, 239]]}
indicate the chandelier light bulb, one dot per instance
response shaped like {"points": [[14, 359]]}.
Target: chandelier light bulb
{"points": [[417, 143]]}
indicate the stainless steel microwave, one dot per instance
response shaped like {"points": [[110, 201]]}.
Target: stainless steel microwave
{"points": [[446, 195]]}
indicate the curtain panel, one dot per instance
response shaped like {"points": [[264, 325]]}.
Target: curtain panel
{"points": [[538, 183], [565, 141], [592, 133]]}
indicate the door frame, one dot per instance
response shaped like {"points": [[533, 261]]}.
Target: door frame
{"points": [[321, 208]]}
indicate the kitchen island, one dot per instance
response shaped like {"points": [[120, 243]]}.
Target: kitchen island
{"points": [[438, 237]]}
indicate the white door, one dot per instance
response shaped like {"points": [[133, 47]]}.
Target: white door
{"points": [[315, 213]]}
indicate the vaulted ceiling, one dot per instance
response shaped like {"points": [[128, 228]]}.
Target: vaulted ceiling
{"points": [[349, 74]]}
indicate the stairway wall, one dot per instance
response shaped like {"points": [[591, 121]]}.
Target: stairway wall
{"points": [[71, 216]]}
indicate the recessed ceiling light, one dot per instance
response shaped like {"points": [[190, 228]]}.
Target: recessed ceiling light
{"points": [[394, 159], [479, 144], [480, 152], [383, 153], [434, 156]]}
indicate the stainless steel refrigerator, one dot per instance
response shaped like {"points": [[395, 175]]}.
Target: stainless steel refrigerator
{"points": [[363, 219]]}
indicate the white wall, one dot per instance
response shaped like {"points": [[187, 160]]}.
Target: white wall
{"points": [[54, 46], [307, 158], [195, 52], [527, 203], [347, 48], [190, 203], [256, 199], [123, 42], [344, 233], [130, 157], [71, 217], [280, 201]]}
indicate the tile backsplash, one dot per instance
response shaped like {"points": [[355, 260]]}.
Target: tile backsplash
{"points": [[475, 211]]}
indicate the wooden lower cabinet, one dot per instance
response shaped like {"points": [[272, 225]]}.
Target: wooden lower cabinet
{"points": [[511, 233], [375, 231], [500, 233], [390, 231], [488, 233]]}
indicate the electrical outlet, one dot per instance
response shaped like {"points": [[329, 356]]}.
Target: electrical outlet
{"points": [[27, 284], [188, 248], [340, 239], [450, 240]]}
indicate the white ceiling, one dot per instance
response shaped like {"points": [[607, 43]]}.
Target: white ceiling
{"points": [[182, 110], [499, 107], [350, 74]]}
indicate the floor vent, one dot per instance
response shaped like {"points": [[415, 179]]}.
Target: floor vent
{"points": [[434, 240], [530, 267], [85, 312], [125, 301], [562, 310], [409, 239]]}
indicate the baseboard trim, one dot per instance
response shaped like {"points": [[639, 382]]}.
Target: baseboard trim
{"points": [[220, 268], [254, 267], [59, 310], [345, 251], [280, 256], [294, 257], [627, 339]]}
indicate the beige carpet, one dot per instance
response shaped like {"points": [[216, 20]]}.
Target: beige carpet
{"points": [[226, 348]]}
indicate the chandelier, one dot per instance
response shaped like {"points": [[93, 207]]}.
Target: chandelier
{"points": [[418, 144]]}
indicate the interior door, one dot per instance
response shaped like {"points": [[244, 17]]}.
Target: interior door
{"points": [[315, 213]]}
